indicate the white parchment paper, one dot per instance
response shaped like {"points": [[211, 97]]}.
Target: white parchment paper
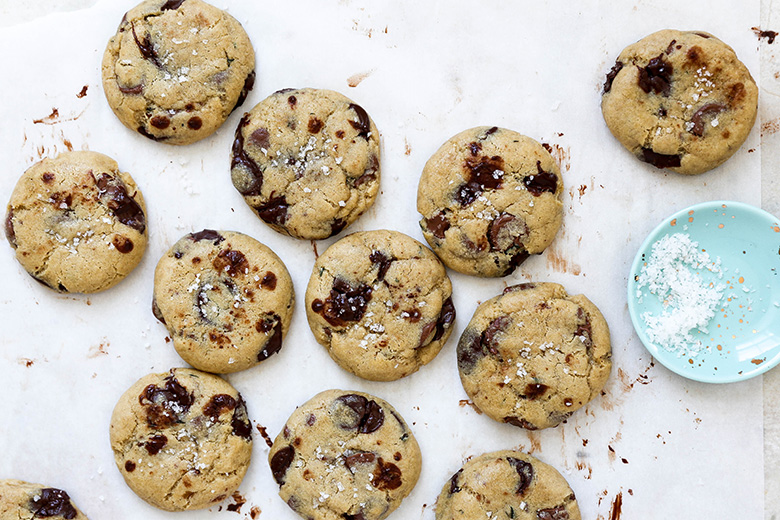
{"points": [[663, 446]]}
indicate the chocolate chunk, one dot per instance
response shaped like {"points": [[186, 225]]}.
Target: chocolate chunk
{"points": [[217, 404], [446, 317], [155, 444], [241, 158], [315, 125], [584, 331], [617, 67], [165, 405], [491, 131], [475, 148], [280, 462], [292, 100], [412, 315], [9, 227], [735, 94], [437, 224], [144, 132], [345, 303], [383, 263], [454, 488], [240, 421], [519, 287], [260, 138], [249, 84], [122, 205], [146, 47], [694, 56], [525, 471], [157, 312], [517, 259], [485, 173], [541, 182], [356, 516], [337, 226], [231, 262], [534, 390], [194, 123], [137, 89], [361, 457], [274, 211], [122, 244], [707, 36], [206, 234], [370, 415], [161, 122], [506, 231], [171, 4], [47, 177], [472, 346], [553, 513], [52, 502], [129, 466], [656, 76], [274, 343], [268, 281], [662, 112], [387, 476], [522, 423], [427, 330], [659, 160], [708, 110], [363, 124]]}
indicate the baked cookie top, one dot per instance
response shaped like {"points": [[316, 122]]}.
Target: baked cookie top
{"points": [[226, 299], [680, 100], [489, 198], [381, 303], [181, 440], [507, 484], [77, 223], [22, 500], [534, 355], [345, 455], [307, 162], [176, 69]]}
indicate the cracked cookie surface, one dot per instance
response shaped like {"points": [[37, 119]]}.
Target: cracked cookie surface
{"points": [[77, 223], [507, 484], [182, 440], [680, 100], [21, 500], [176, 69], [534, 355], [345, 455], [489, 198], [307, 162], [226, 299], [381, 303]]}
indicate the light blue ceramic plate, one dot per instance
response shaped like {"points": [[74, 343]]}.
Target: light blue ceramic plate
{"points": [[743, 338]]}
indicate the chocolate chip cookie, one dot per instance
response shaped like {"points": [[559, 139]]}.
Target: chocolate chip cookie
{"points": [[381, 303], [77, 223], [507, 484], [176, 69], [533, 355], [680, 100], [489, 198], [21, 500], [226, 299], [181, 440], [345, 455], [307, 162]]}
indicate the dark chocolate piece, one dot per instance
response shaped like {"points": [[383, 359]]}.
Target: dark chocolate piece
{"points": [[274, 343], [656, 76], [344, 304], [52, 502], [541, 181], [122, 205], [274, 211], [370, 416], [241, 158], [387, 476], [708, 110], [165, 405], [206, 234], [231, 262], [617, 67], [659, 160], [363, 124], [525, 471], [280, 463], [155, 444]]}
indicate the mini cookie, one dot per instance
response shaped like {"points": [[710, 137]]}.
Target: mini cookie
{"points": [[533, 355], [307, 162], [381, 303], [176, 69], [181, 440], [345, 455], [680, 100], [226, 299], [21, 500], [76, 222], [489, 198], [507, 484]]}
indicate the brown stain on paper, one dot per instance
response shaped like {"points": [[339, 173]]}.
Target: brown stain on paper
{"points": [[356, 79], [557, 262]]}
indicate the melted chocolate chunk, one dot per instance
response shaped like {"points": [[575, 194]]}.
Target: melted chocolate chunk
{"points": [[446, 317], [269, 281], [361, 457], [280, 463], [9, 228], [708, 110], [206, 234], [121, 204], [160, 122], [122, 244], [315, 125], [472, 347], [249, 84], [506, 231], [525, 471], [659, 160], [171, 4], [146, 47], [52, 502], [387, 476], [344, 304], [541, 182], [522, 423], [274, 211], [356, 516], [519, 287], [157, 312], [231, 262], [274, 343], [137, 89], [363, 124], [553, 513], [155, 444], [656, 76], [662, 112], [670, 47], [166, 405], [491, 131], [241, 158], [370, 416], [534, 390], [48, 177], [129, 466], [217, 404], [617, 67], [454, 488], [437, 224], [584, 331], [337, 226], [194, 123], [383, 263], [485, 173], [292, 100], [144, 132], [240, 421]]}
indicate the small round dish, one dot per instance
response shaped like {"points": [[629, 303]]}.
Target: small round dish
{"points": [[743, 338]]}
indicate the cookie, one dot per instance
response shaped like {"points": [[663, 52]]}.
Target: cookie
{"points": [[176, 69], [680, 100], [226, 299], [345, 455], [77, 223], [181, 440], [381, 303], [307, 162], [22, 500], [489, 198], [507, 484], [534, 355]]}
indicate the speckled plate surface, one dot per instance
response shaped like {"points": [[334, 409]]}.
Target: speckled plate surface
{"points": [[743, 338]]}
